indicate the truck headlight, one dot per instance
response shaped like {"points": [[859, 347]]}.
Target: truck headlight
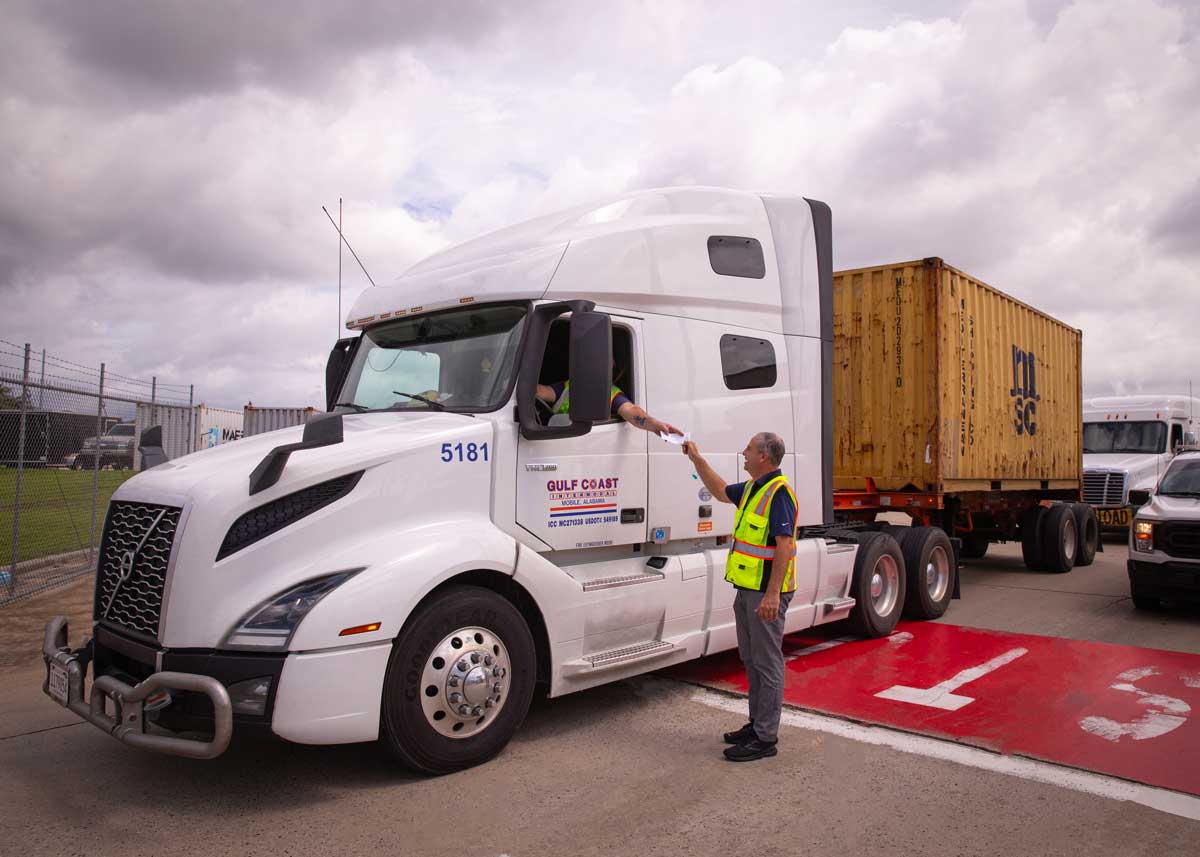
{"points": [[1143, 536], [270, 626]]}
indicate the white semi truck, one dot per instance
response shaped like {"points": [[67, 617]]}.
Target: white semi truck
{"points": [[1128, 441], [408, 567]]}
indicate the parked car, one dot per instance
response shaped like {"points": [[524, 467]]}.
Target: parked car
{"points": [[114, 447], [1164, 541]]}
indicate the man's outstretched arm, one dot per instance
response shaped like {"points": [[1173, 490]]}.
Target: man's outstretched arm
{"points": [[708, 476]]}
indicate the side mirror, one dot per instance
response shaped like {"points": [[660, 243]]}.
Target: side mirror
{"points": [[591, 366], [150, 447], [1189, 438], [1139, 497], [336, 367]]}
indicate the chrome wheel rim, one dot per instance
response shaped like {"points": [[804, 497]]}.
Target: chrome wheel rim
{"points": [[465, 682], [937, 573], [1070, 537], [885, 585]]}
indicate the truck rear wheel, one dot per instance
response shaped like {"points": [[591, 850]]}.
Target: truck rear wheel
{"points": [[1088, 529], [1032, 521], [1060, 538], [878, 586], [459, 681], [929, 560]]}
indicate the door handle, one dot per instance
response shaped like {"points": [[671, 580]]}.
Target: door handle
{"points": [[633, 516]]}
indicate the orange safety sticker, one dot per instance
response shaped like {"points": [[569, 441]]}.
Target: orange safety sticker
{"points": [[704, 527]]}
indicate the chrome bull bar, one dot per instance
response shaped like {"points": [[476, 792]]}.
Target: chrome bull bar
{"points": [[128, 725]]}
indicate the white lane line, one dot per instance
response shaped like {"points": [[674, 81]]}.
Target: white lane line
{"points": [[1175, 803], [942, 695]]}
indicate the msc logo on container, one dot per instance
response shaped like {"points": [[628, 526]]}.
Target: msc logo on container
{"points": [[1024, 391]]}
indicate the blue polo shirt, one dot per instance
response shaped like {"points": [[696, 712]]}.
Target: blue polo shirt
{"points": [[619, 400], [781, 516]]}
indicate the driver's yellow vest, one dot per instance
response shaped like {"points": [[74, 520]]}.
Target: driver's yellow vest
{"points": [[564, 403], [750, 551]]}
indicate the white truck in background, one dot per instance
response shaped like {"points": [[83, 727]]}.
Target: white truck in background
{"points": [[410, 565], [1128, 441]]}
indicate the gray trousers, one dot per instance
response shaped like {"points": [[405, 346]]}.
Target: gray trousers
{"points": [[760, 646]]}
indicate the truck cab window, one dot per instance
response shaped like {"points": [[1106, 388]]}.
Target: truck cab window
{"points": [[746, 362], [556, 368], [1176, 436]]}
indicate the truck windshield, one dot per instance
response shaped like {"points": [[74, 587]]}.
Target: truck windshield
{"points": [[459, 360], [1182, 479], [1145, 437]]}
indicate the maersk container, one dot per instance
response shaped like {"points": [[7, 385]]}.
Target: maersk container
{"points": [[215, 426], [260, 420], [959, 406]]}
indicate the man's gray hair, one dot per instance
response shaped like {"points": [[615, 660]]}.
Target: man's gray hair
{"points": [[771, 445]]}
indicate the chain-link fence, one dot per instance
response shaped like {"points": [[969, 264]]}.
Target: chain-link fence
{"points": [[68, 439]]}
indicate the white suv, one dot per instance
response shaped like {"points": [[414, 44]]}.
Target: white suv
{"points": [[1164, 541]]}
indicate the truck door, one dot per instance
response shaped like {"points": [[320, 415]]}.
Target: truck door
{"points": [[588, 491]]}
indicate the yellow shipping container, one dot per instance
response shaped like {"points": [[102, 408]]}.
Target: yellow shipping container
{"points": [[944, 384]]}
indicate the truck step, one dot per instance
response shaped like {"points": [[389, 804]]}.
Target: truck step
{"points": [[835, 605], [618, 657], [622, 580]]}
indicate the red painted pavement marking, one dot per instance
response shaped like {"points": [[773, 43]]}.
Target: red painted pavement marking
{"points": [[1119, 710]]}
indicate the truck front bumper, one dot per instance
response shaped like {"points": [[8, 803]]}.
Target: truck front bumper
{"points": [[1173, 580], [65, 674]]}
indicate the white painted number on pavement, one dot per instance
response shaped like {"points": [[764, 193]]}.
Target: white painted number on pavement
{"points": [[1163, 713], [942, 695]]}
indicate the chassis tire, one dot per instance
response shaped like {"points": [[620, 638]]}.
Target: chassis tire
{"points": [[929, 564], [1060, 538], [974, 546], [1144, 602], [1031, 538], [1088, 530], [878, 586], [424, 684]]}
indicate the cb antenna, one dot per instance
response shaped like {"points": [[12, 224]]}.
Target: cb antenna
{"points": [[342, 235]]}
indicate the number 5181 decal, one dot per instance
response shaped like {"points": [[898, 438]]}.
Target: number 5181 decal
{"points": [[464, 452]]}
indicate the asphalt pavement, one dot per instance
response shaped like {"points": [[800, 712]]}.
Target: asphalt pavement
{"points": [[630, 768]]}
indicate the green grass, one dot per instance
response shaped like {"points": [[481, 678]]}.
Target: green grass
{"points": [[56, 510]]}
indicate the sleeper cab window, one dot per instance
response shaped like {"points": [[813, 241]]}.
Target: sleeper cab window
{"points": [[746, 362], [736, 256]]}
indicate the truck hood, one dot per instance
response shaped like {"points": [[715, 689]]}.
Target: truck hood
{"points": [[1171, 509], [1118, 460], [221, 473]]}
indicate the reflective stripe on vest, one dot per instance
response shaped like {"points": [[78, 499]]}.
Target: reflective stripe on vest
{"points": [[750, 552], [564, 403]]}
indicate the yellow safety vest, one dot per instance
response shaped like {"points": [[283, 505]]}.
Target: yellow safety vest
{"points": [[564, 404], [750, 551]]}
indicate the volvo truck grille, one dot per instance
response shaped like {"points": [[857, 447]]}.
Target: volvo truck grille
{"points": [[1104, 489], [132, 573]]}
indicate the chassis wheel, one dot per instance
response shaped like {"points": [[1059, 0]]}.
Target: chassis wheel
{"points": [[878, 586], [459, 681], [974, 546], [1060, 538], [929, 560], [1031, 538], [1088, 529]]}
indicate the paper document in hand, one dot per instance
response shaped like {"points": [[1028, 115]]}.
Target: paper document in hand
{"points": [[677, 439]]}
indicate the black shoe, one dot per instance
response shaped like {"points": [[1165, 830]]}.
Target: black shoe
{"points": [[741, 736], [751, 750]]}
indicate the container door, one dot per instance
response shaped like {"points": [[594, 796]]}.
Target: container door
{"points": [[589, 491]]}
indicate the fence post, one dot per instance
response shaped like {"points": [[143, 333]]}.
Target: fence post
{"points": [[191, 418], [96, 465], [12, 576]]}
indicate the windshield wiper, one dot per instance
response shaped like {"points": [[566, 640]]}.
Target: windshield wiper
{"points": [[357, 407], [435, 405]]}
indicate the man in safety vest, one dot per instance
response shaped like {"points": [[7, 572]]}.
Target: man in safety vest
{"points": [[761, 566], [558, 395]]}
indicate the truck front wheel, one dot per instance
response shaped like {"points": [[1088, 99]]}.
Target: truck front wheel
{"points": [[459, 681]]}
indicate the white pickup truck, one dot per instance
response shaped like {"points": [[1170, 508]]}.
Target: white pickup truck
{"points": [[1164, 541], [409, 567], [1128, 441]]}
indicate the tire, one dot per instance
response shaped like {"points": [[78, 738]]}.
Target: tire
{"points": [[1144, 602], [878, 586], [1031, 538], [1088, 530], [423, 658], [974, 546], [929, 564], [1060, 538]]}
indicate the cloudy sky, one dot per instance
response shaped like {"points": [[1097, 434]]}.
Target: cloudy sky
{"points": [[163, 165]]}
